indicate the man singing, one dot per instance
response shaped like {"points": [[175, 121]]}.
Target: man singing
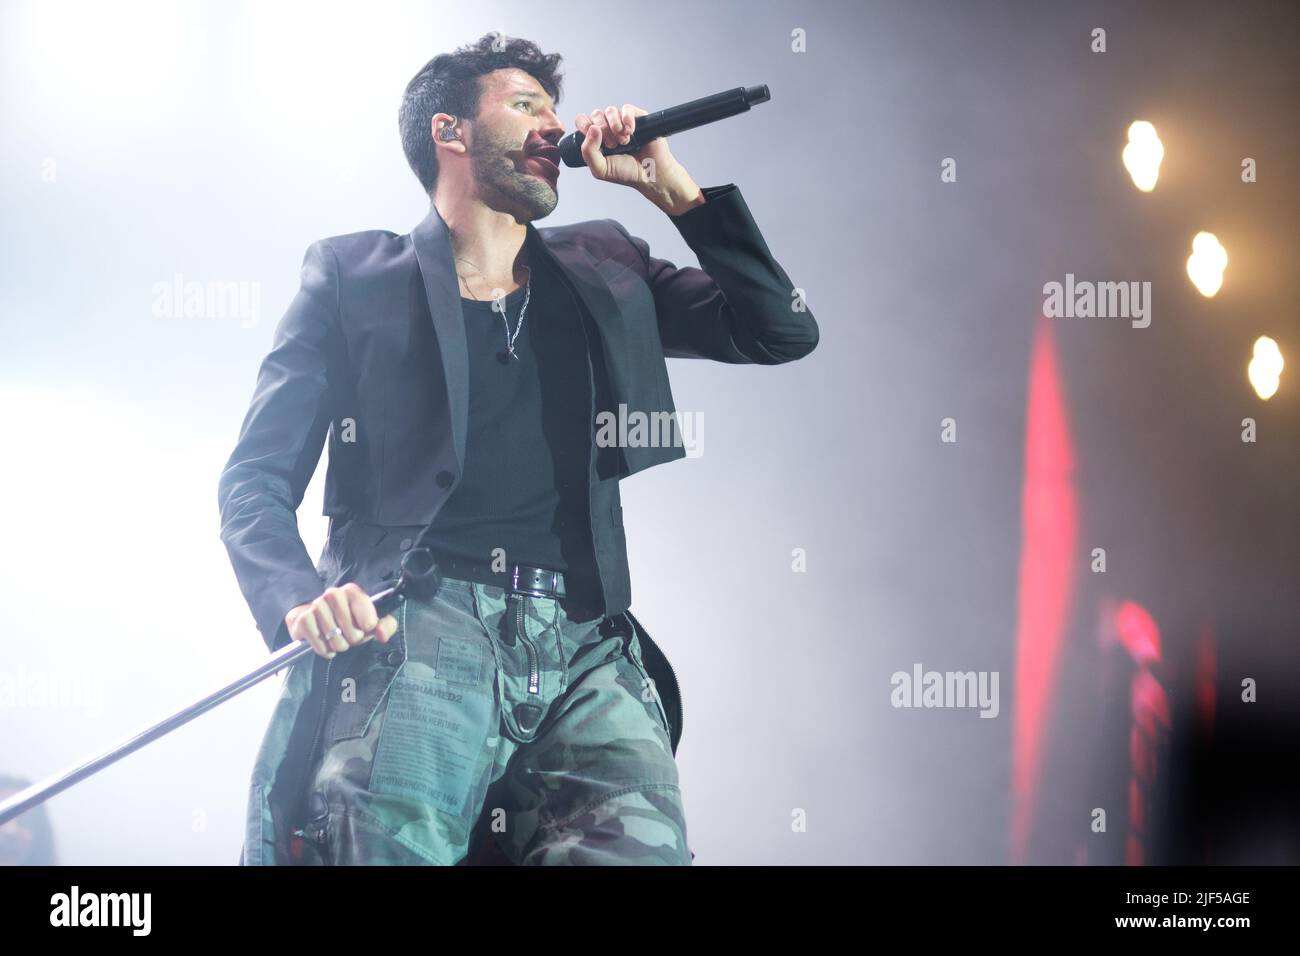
{"points": [[462, 373]]}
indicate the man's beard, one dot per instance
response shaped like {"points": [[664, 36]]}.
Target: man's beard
{"points": [[502, 185]]}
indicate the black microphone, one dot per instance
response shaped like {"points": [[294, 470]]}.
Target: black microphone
{"points": [[675, 119]]}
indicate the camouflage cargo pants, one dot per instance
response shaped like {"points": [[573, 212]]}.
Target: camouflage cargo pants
{"points": [[493, 716]]}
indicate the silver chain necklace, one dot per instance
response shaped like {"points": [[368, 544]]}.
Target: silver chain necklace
{"points": [[505, 318]]}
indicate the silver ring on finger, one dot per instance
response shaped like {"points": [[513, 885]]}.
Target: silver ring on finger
{"points": [[336, 632]]}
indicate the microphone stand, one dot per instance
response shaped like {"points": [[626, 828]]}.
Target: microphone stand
{"points": [[419, 578]]}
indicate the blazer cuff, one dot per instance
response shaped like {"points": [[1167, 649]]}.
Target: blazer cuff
{"points": [[722, 215]]}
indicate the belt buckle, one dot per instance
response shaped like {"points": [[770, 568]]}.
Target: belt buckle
{"points": [[514, 583]]}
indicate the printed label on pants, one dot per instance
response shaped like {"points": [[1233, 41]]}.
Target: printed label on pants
{"points": [[431, 739], [460, 661]]}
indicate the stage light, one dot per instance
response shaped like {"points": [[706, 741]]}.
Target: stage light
{"points": [[1206, 263], [1265, 369], [1143, 154]]}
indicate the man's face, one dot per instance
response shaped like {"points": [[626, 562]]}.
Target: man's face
{"points": [[515, 118]]}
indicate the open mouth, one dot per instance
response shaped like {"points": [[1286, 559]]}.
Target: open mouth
{"points": [[545, 160]]}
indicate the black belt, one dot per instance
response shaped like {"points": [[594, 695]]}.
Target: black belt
{"points": [[516, 578]]}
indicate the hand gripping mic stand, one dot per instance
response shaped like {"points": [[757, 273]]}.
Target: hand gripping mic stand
{"points": [[419, 578]]}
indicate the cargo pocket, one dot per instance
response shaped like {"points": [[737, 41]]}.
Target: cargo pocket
{"points": [[430, 747], [367, 673]]}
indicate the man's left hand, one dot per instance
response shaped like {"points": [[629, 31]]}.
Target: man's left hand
{"points": [[651, 170]]}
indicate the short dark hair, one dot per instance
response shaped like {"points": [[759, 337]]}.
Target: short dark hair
{"points": [[449, 83]]}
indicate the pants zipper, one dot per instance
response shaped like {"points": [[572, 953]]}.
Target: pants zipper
{"points": [[534, 677]]}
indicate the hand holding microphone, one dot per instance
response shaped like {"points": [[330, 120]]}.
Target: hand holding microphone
{"points": [[602, 131], [628, 146]]}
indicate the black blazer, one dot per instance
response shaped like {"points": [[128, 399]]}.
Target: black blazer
{"points": [[372, 352]]}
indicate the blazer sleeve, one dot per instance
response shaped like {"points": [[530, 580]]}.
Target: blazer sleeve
{"points": [[740, 307], [279, 447]]}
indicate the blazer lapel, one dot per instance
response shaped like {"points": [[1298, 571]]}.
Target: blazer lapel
{"points": [[578, 267], [437, 267]]}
